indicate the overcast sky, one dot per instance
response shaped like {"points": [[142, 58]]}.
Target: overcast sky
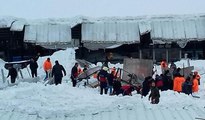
{"points": [[37, 9]]}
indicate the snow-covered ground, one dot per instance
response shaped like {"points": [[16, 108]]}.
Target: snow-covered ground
{"points": [[50, 102]]}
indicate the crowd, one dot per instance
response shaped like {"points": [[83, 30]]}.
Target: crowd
{"points": [[110, 81]]}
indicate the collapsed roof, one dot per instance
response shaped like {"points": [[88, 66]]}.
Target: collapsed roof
{"points": [[108, 31]]}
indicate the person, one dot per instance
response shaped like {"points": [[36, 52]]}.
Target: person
{"points": [[167, 80], [163, 65], [12, 73], [159, 81], [173, 66], [146, 86], [176, 72], [178, 81], [117, 86], [102, 78], [57, 72], [85, 68], [110, 79], [198, 77], [113, 71], [154, 95], [47, 66], [127, 90], [33, 67], [195, 85], [74, 74], [187, 86]]}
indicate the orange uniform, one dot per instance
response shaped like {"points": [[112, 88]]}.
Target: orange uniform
{"points": [[195, 86], [178, 81], [47, 65]]}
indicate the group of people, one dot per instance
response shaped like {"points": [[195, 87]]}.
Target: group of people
{"points": [[170, 79]]}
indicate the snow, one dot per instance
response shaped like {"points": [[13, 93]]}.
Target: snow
{"points": [[49, 102], [38, 9]]}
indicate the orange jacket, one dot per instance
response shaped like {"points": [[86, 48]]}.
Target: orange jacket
{"points": [[47, 65], [178, 81], [195, 86]]}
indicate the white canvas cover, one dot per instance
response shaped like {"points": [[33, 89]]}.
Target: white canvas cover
{"points": [[110, 32], [17, 25], [48, 34]]}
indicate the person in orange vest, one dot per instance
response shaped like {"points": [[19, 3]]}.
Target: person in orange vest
{"points": [[47, 66], [198, 77], [178, 81], [164, 66], [195, 84]]}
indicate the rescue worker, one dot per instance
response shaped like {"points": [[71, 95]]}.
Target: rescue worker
{"points": [[57, 73], [146, 86], [33, 67], [187, 86], [74, 74], [102, 78], [178, 81], [195, 86], [117, 86], [154, 95], [164, 66], [127, 90], [47, 66], [198, 77], [12, 73]]}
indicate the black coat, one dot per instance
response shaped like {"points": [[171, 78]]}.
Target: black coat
{"points": [[74, 72], [154, 93], [12, 73], [57, 70], [33, 65], [110, 79], [187, 87]]}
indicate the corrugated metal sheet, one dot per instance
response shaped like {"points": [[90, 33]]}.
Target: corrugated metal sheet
{"points": [[18, 25], [178, 29], [136, 112], [6, 22], [110, 32], [48, 34], [144, 27], [200, 26]]}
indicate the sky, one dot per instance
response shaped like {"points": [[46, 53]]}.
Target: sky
{"points": [[51, 102], [39, 9]]}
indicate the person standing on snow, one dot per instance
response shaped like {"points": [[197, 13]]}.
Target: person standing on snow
{"points": [[74, 74], [12, 73], [187, 86], [197, 76], [178, 81], [57, 72], [47, 66], [154, 95], [33, 67], [163, 66], [195, 84], [102, 77]]}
